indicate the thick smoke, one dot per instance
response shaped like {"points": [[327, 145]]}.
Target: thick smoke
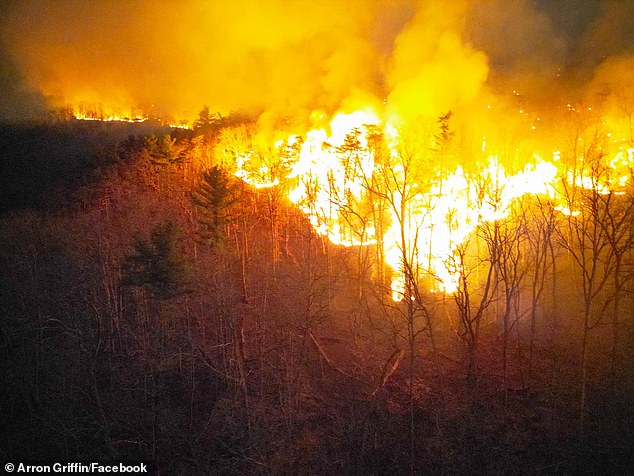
{"points": [[290, 58], [432, 69], [174, 57]]}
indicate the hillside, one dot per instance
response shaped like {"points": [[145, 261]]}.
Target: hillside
{"points": [[155, 307]]}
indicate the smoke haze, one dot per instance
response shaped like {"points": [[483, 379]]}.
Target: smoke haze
{"points": [[290, 58]]}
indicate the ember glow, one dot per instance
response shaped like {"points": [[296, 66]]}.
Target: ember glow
{"points": [[108, 115]]}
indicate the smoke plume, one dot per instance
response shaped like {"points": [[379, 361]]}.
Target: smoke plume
{"points": [[290, 58]]}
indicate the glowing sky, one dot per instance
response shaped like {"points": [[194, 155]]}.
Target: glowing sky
{"points": [[290, 57]]}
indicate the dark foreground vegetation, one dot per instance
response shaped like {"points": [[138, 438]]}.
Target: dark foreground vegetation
{"points": [[155, 308]]}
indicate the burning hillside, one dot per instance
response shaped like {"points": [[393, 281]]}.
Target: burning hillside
{"points": [[361, 90], [396, 239]]}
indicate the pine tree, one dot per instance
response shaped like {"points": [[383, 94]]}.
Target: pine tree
{"points": [[215, 196], [156, 265]]}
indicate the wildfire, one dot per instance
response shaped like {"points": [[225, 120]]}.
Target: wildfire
{"points": [[93, 113], [413, 58], [343, 187], [353, 182], [332, 172], [439, 221], [259, 177], [130, 115], [336, 179]]}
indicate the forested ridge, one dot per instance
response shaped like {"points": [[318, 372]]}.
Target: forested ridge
{"points": [[155, 307]]}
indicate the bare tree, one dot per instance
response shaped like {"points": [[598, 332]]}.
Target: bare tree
{"points": [[472, 298], [541, 220], [401, 186], [617, 221], [584, 236], [506, 240]]}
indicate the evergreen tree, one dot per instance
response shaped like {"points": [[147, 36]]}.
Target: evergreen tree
{"points": [[156, 265], [207, 122], [160, 149], [215, 196]]}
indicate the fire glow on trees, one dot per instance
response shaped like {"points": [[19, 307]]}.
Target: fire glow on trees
{"points": [[358, 185], [360, 179], [342, 181]]}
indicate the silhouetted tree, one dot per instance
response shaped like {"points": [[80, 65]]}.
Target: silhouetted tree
{"points": [[585, 237], [215, 196], [207, 123], [156, 265], [541, 222]]}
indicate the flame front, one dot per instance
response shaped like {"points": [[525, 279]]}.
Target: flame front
{"points": [[344, 184], [331, 174]]}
